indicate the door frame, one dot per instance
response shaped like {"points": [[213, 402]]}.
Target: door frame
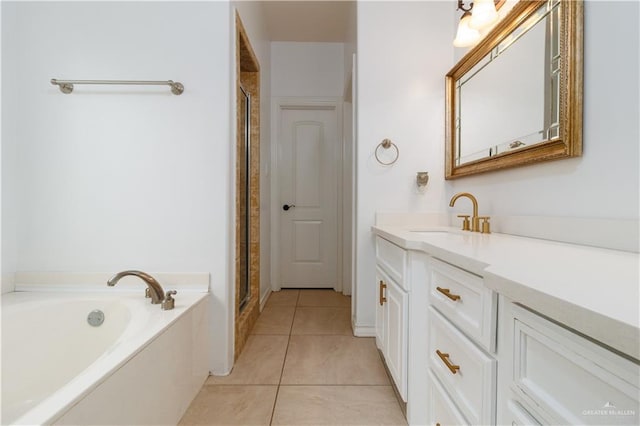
{"points": [[277, 106]]}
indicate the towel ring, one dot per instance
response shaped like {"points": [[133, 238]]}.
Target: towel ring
{"points": [[386, 144]]}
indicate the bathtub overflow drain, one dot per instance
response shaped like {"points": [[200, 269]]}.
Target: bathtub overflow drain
{"points": [[95, 318]]}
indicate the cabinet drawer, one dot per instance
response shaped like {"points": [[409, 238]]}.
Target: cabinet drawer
{"points": [[472, 385], [465, 301], [570, 378], [518, 416], [442, 410], [393, 260]]}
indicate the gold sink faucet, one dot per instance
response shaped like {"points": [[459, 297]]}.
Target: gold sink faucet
{"points": [[475, 219]]}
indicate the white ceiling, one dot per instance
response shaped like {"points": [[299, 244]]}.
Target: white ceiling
{"points": [[307, 21]]}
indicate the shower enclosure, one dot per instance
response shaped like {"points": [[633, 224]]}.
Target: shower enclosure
{"points": [[247, 265], [244, 196]]}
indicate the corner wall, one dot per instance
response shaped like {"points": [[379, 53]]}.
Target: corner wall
{"points": [[8, 156], [252, 18], [404, 51], [348, 155]]}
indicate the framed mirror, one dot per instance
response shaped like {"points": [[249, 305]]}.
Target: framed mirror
{"points": [[516, 97]]}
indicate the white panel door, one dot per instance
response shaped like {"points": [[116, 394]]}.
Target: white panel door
{"points": [[308, 155]]}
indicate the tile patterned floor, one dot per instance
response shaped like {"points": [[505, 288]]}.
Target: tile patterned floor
{"points": [[301, 366]]}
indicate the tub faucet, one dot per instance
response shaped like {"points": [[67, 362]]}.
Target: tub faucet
{"points": [[475, 219], [154, 289]]}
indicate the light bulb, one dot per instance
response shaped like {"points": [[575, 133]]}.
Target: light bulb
{"points": [[483, 14], [466, 36]]}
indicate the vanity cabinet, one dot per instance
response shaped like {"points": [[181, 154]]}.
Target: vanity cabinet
{"points": [[472, 348], [392, 322], [551, 375], [461, 339]]}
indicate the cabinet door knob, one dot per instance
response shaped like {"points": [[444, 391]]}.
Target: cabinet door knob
{"points": [[382, 287], [445, 358], [447, 292]]}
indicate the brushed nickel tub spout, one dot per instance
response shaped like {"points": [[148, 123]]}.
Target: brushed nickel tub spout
{"points": [[154, 288]]}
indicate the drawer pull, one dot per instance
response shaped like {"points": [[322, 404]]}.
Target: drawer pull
{"points": [[447, 293], [382, 287], [445, 358]]}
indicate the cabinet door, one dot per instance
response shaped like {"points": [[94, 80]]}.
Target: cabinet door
{"points": [[396, 323], [381, 281]]}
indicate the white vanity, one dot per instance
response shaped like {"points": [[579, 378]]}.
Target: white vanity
{"points": [[498, 329]]}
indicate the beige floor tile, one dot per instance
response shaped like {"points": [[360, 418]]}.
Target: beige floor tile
{"points": [[333, 360], [231, 405], [322, 320], [337, 405], [323, 298], [274, 320], [260, 362], [283, 298]]}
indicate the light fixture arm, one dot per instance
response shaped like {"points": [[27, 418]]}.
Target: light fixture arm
{"points": [[463, 8]]}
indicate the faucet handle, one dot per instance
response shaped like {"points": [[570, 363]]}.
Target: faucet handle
{"points": [[486, 226], [465, 222], [169, 302]]}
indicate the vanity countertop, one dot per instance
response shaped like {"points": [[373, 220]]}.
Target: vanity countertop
{"points": [[592, 290]]}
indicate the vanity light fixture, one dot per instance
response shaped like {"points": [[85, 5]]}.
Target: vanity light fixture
{"points": [[484, 14], [466, 36], [479, 15]]}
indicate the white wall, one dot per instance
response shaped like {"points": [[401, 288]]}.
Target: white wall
{"points": [[604, 182], [252, 17], [113, 178], [307, 69], [350, 43], [404, 51], [348, 154], [8, 154]]}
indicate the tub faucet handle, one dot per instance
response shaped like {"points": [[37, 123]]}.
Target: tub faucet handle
{"points": [[169, 302]]}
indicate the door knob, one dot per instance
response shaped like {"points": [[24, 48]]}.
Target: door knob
{"points": [[286, 207]]}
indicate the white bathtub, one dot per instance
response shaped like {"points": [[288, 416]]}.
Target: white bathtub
{"points": [[141, 366]]}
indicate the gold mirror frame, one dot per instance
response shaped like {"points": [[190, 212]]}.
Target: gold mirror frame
{"points": [[569, 142]]}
